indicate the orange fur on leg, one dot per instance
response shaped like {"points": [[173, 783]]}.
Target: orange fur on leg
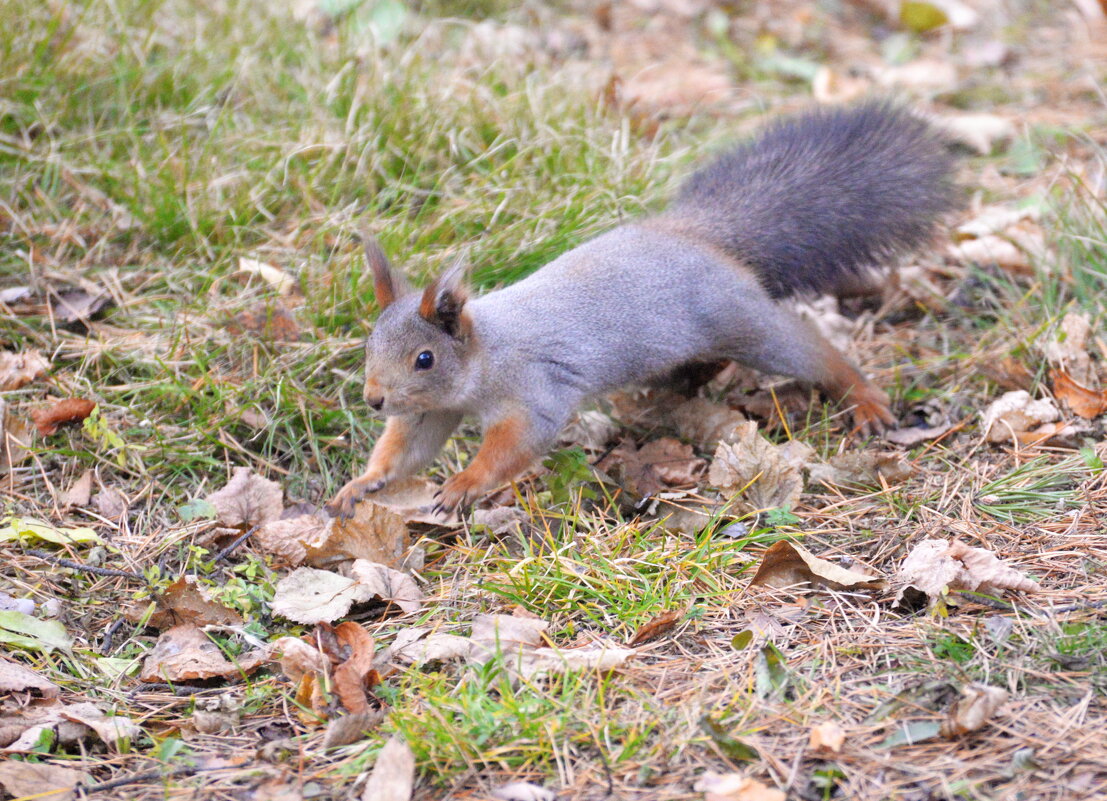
{"points": [[386, 453], [501, 456], [844, 383]]}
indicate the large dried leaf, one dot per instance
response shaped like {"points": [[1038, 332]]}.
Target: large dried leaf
{"points": [[1088, 403], [977, 704], [383, 582], [297, 658], [706, 423], [656, 466], [19, 369], [247, 500], [769, 476], [506, 634], [40, 780], [735, 787], [15, 678], [654, 628], [786, 564], [70, 410], [350, 677], [393, 776], [375, 533], [269, 320], [184, 653], [114, 730], [277, 278], [1068, 348], [1016, 413], [412, 499], [935, 566], [862, 468], [79, 492], [186, 601], [428, 647], [78, 305], [288, 539], [308, 595], [826, 736]]}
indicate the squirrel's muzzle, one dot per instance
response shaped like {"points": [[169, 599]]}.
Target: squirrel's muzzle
{"points": [[376, 404]]}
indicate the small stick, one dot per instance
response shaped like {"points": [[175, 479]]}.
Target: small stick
{"points": [[144, 777], [96, 571], [223, 554]]}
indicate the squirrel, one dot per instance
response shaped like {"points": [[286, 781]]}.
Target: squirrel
{"points": [[810, 204]]}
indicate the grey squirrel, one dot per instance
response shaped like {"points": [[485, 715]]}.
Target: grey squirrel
{"points": [[806, 206]]}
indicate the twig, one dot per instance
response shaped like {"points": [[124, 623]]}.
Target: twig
{"points": [[105, 643], [96, 571], [145, 777], [223, 554]]}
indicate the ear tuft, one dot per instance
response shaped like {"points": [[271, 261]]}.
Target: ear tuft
{"points": [[387, 285], [443, 301]]}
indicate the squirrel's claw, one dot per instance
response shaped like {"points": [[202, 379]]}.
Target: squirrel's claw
{"points": [[345, 502]]}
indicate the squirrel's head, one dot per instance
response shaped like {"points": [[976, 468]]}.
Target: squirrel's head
{"points": [[417, 356]]}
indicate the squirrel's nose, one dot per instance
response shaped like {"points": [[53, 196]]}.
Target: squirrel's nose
{"points": [[376, 404]]}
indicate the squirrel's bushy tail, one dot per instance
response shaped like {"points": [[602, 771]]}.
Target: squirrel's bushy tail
{"points": [[820, 196]]}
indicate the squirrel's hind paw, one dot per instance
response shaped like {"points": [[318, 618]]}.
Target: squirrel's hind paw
{"points": [[871, 412], [345, 502]]}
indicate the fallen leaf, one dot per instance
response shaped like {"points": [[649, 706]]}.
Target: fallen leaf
{"points": [[287, 539], [673, 86], [980, 132], [349, 729], [600, 657], [1014, 413], [656, 466], [654, 628], [71, 410], [26, 528], [40, 780], [15, 678], [110, 503], [307, 595], [184, 653], [862, 468], [25, 631], [522, 791], [79, 492], [432, 648], [247, 500], [186, 601], [387, 584], [978, 703], [786, 564], [735, 787], [297, 658], [768, 476], [269, 320], [117, 731], [375, 533], [506, 634], [911, 732], [411, 499], [1087, 403], [19, 369], [393, 775], [831, 86], [499, 519], [920, 74], [1067, 348], [78, 305], [590, 430], [826, 736], [350, 676], [707, 423], [909, 437], [15, 294], [277, 278], [15, 439], [936, 566]]}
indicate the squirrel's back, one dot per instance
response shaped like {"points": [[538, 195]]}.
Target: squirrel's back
{"points": [[818, 197]]}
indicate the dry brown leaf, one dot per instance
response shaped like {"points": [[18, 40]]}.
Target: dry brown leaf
{"points": [[1087, 403], [601, 657], [674, 86], [307, 595], [706, 423], [70, 410], [919, 74], [15, 439], [387, 584], [79, 492], [78, 305], [350, 677], [981, 132], [909, 437], [111, 729], [351, 728], [830, 86], [786, 564], [735, 787], [505, 633], [40, 780], [862, 468], [431, 648], [657, 466], [247, 500], [523, 791], [277, 278], [110, 503], [1014, 413], [590, 430], [769, 476], [375, 533], [1048, 431], [977, 704], [935, 566], [185, 601], [656, 627], [1068, 348], [826, 736], [287, 539], [412, 499], [393, 775], [183, 653], [269, 320], [296, 658], [19, 369], [14, 678]]}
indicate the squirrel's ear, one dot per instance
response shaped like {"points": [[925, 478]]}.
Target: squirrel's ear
{"points": [[443, 302], [387, 284]]}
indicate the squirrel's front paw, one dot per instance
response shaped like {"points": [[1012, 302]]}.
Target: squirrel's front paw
{"points": [[872, 412], [347, 499]]}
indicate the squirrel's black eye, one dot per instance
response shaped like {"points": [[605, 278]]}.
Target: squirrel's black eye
{"points": [[424, 361]]}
